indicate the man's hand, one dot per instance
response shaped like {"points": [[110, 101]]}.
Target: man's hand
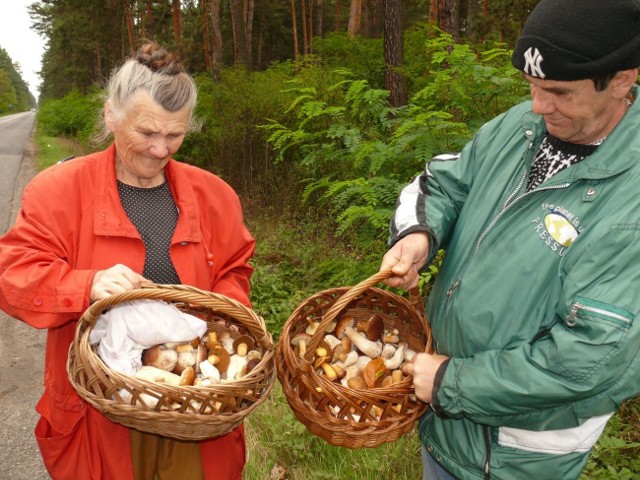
{"points": [[116, 279], [405, 259], [423, 367]]}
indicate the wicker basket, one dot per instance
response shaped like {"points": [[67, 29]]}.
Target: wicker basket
{"points": [[336, 413], [184, 413]]}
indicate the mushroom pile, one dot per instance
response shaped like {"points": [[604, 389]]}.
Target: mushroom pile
{"points": [[359, 354], [216, 358]]}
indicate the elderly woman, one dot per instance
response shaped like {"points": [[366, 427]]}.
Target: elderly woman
{"points": [[101, 224]]}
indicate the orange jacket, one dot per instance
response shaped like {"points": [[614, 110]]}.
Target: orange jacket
{"points": [[70, 225]]}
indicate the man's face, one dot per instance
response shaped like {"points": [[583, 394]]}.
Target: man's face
{"points": [[574, 111]]}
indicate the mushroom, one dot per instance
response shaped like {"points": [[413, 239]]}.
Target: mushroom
{"points": [[357, 368], [209, 372], [388, 350], [329, 371], [372, 328], [312, 327], [332, 340], [342, 324], [160, 357], [201, 356], [155, 374], [368, 347], [300, 341], [253, 359], [397, 359], [349, 359], [188, 376], [391, 337], [409, 354], [219, 357], [236, 364], [242, 345]]}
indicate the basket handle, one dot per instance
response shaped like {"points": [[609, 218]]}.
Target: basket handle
{"points": [[331, 314]]}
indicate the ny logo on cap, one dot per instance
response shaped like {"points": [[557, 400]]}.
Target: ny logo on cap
{"points": [[533, 58]]}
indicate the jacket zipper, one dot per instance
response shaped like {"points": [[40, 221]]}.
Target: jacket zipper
{"points": [[487, 444], [508, 205], [571, 319]]}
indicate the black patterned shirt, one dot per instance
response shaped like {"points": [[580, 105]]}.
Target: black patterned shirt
{"points": [[154, 213], [554, 155]]}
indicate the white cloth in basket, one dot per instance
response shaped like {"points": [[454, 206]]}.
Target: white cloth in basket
{"points": [[126, 329]]}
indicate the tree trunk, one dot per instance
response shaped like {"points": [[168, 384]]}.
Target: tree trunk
{"points": [[177, 21], [448, 18], [318, 17], [305, 31], [239, 32], [375, 15], [128, 14], [294, 28], [355, 17], [433, 17], [147, 29], [248, 22], [216, 39], [203, 5], [310, 24], [394, 80]]}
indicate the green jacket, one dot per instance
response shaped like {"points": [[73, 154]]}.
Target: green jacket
{"points": [[535, 301]]}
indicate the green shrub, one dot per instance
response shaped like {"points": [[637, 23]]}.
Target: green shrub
{"points": [[73, 116]]}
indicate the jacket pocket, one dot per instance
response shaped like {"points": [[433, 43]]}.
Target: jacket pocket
{"points": [[591, 334], [62, 452]]}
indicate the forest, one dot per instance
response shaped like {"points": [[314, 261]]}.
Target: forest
{"points": [[14, 91], [317, 112]]}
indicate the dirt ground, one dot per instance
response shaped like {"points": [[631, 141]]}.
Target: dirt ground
{"points": [[21, 378]]}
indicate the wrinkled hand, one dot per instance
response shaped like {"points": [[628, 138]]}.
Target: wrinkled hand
{"points": [[405, 259], [116, 279], [423, 368]]}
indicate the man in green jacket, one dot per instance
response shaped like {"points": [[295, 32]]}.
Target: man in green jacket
{"points": [[534, 308]]}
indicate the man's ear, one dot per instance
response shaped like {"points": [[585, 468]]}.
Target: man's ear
{"points": [[623, 81]]}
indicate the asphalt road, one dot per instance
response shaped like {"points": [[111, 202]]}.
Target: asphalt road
{"points": [[21, 347]]}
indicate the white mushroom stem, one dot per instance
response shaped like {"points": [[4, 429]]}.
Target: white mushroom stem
{"points": [[227, 343], [209, 371], [350, 359], [409, 354], [357, 368], [397, 359], [362, 343], [332, 340], [235, 366], [388, 350]]}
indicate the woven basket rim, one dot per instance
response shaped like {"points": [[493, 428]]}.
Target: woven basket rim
{"points": [[136, 416], [294, 371]]}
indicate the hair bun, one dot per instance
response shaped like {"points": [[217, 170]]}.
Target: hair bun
{"points": [[158, 59]]}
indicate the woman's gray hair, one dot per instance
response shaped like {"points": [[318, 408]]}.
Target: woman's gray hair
{"points": [[159, 73]]}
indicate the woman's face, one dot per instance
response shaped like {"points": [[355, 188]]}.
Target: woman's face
{"points": [[146, 137]]}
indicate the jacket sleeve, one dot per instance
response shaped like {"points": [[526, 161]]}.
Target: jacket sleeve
{"points": [[237, 245], [584, 365], [432, 202], [37, 282]]}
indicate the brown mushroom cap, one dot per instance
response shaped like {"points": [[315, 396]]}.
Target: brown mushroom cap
{"points": [[246, 339], [374, 328], [342, 324], [160, 357], [188, 376], [223, 358]]}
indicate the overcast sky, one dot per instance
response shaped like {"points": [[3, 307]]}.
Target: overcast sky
{"points": [[23, 45]]}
